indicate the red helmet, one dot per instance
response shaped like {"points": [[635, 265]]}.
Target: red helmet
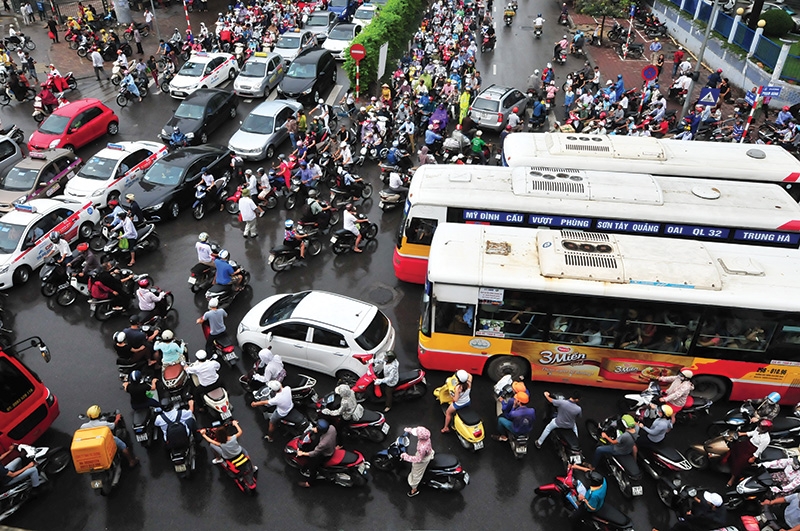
{"points": [[515, 110], [144, 283], [764, 425], [458, 127], [786, 108], [83, 247]]}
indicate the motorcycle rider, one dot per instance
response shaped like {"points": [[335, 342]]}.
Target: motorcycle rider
{"points": [[679, 389], [560, 46], [11, 473], [138, 388], [350, 222], [139, 343], [765, 408], [282, 400], [129, 83], [216, 323], [272, 366], [60, 247], [90, 262], [93, 413], [654, 435], [397, 184], [148, 301], [226, 275], [130, 234], [322, 451], [624, 445], [171, 350], [292, 238], [318, 212], [134, 210], [419, 461], [590, 501], [516, 417], [207, 375], [478, 146], [707, 512], [395, 157], [170, 415], [538, 22], [746, 451], [567, 411], [349, 409], [108, 277], [461, 398], [204, 252], [791, 514], [177, 138], [225, 445]]}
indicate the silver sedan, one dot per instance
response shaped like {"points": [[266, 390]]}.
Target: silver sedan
{"points": [[263, 130], [260, 74]]}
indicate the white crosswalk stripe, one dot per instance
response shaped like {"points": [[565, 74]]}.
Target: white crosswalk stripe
{"points": [[333, 98]]}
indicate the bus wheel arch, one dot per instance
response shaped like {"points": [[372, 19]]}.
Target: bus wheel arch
{"points": [[714, 388], [499, 366]]}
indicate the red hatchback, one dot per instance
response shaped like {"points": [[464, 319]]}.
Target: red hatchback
{"points": [[74, 125]]}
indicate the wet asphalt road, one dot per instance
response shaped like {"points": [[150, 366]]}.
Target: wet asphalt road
{"points": [[82, 372]]}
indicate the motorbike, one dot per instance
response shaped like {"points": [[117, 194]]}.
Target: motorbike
{"points": [[295, 422], [785, 430], [566, 442], [19, 41], [343, 240], [176, 379], [341, 195], [232, 201], [148, 240], [223, 346], [508, 18], [665, 465], [372, 153], [659, 30], [282, 257], [166, 77], [227, 294], [53, 274], [49, 461], [125, 95], [713, 452], [243, 472], [563, 19], [624, 468], [39, 110], [201, 276], [344, 468], [537, 32], [103, 309], [144, 30], [749, 492], [391, 199], [444, 471], [103, 480], [467, 423], [14, 133], [68, 292], [372, 425], [183, 456], [144, 426], [632, 50], [203, 201], [216, 400], [410, 385], [487, 42], [639, 404], [607, 518], [116, 73], [561, 58], [503, 390], [293, 193]]}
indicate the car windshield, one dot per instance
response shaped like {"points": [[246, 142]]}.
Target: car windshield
{"points": [[365, 14], [19, 179], [289, 42], [192, 69], [254, 69], [55, 124], [337, 3], [340, 33], [98, 168], [10, 235], [375, 332], [191, 111], [164, 174], [482, 104], [318, 21], [282, 309], [301, 71], [259, 124], [16, 386]]}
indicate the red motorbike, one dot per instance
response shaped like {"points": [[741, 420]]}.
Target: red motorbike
{"points": [[223, 346], [242, 471], [344, 468], [411, 385], [232, 202]]}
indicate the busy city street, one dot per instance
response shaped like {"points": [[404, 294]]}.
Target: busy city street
{"points": [[82, 372]]}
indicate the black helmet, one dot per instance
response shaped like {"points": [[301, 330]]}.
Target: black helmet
{"points": [[595, 479], [55, 236]]}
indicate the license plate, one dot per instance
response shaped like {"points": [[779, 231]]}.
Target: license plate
{"points": [[385, 428], [141, 437], [230, 356], [180, 468], [522, 449], [97, 483], [637, 490], [479, 445], [192, 280], [227, 414], [466, 478], [575, 459], [271, 259], [334, 239], [176, 398]]}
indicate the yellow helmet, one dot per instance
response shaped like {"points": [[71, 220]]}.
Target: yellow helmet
{"points": [[94, 412], [70, 18], [666, 409]]}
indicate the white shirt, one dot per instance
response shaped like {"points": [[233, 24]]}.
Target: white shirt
{"points": [[206, 371], [347, 156], [203, 252], [122, 60], [247, 208], [97, 59], [173, 416], [395, 180], [349, 222], [148, 17], [282, 401], [252, 184], [63, 247]]}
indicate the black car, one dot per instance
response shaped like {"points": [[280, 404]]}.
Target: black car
{"points": [[200, 114], [310, 75], [168, 186]]}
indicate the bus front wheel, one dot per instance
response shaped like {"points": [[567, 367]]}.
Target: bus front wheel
{"points": [[710, 387], [499, 366]]}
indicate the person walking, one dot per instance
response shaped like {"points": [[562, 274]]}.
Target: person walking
{"points": [[391, 375], [677, 58], [53, 27], [419, 461], [30, 66], [248, 209], [97, 63], [655, 49], [137, 37]]}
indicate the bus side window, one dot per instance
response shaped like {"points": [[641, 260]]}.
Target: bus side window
{"points": [[420, 230], [512, 319], [455, 318], [590, 325], [658, 328], [736, 332], [786, 343]]}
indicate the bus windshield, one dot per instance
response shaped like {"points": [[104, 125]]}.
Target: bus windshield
{"points": [[14, 386]]}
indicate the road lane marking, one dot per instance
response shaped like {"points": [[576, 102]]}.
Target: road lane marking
{"points": [[334, 95], [494, 69]]}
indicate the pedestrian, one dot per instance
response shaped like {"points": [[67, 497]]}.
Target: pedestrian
{"points": [[30, 66], [148, 18], [660, 64], [6, 6], [677, 58], [97, 63], [137, 37], [53, 27], [655, 48], [596, 79], [291, 128], [153, 66], [29, 13], [248, 209], [419, 461], [40, 9], [569, 98], [391, 375]]}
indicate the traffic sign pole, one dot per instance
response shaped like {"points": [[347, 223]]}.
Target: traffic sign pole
{"points": [[358, 52], [752, 112], [358, 79]]}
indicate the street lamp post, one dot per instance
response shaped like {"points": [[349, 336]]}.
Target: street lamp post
{"points": [[696, 73]]}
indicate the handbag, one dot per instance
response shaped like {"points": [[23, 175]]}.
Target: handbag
{"points": [[123, 244]]}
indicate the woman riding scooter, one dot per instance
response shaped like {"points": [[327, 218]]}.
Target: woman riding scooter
{"points": [[461, 398]]}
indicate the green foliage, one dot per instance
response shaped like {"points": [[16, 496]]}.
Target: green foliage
{"points": [[396, 24], [599, 8], [779, 22]]}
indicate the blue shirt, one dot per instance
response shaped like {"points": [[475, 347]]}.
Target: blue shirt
{"points": [[392, 156], [595, 498], [431, 136], [224, 271]]}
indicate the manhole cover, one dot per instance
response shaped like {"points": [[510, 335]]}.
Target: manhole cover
{"points": [[381, 296]]}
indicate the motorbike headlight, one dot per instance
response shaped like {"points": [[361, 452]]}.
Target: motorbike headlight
{"points": [[189, 136], [4, 269], [98, 192], [164, 132], [307, 91], [54, 144], [157, 206]]}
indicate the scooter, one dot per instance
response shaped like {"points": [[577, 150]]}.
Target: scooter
{"points": [[537, 32], [608, 518], [243, 472], [343, 240], [565, 441], [68, 292], [372, 425], [624, 468], [49, 462], [713, 453], [340, 196], [53, 274], [751, 491], [216, 401], [467, 424], [203, 200], [639, 404], [295, 423], [785, 430], [444, 471], [303, 393], [411, 385], [391, 199], [227, 293], [201, 276], [282, 257], [176, 379], [344, 468], [144, 426], [147, 241], [504, 390], [184, 456], [665, 465], [223, 345], [103, 480]]}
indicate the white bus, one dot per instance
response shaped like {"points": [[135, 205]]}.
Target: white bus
{"points": [[612, 310], [663, 157], [729, 211]]}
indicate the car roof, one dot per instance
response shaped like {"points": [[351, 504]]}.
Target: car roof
{"points": [[495, 92], [265, 57], [20, 217], [296, 32], [333, 309], [347, 25], [271, 108], [190, 153], [70, 109], [312, 56], [43, 157], [204, 57], [204, 94], [121, 150]]}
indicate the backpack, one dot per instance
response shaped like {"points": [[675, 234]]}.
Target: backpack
{"points": [[176, 431]]}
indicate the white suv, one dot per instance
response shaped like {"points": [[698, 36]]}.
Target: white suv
{"points": [[326, 332]]}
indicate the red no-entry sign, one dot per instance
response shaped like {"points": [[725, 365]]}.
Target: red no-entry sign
{"points": [[357, 52]]}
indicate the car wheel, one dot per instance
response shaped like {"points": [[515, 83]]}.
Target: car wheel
{"points": [[347, 377], [233, 112], [70, 147], [113, 128], [113, 196], [86, 230], [231, 74], [174, 210], [270, 152], [21, 275], [203, 138], [251, 350]]}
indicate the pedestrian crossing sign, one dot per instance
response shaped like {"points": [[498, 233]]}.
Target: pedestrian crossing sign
{"points": [[708, 96]]}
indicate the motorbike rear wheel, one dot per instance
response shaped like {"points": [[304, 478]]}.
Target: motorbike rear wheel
{"points": [[340, 248], [593, 428], [697, 458], [49, 289], [38, 117], [97, 243], [58, 460], [291, 200], [382, 462], [314, 247], [72, 84], [280, 263], [122, 101], [103, 311], [458, 484], [66, 296], [271, 202], [232, 207], [199, 211], [366, 193], [375, 434]]}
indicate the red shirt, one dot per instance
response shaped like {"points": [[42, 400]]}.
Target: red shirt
{"points": [[677, 57]]}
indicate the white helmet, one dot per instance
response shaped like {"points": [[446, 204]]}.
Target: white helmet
{"points": [[200, 355], [119, 337], [274, 386], [213, 303], [224, 254], [462, 375], [167, 335], [321, 101], [203, 237]]}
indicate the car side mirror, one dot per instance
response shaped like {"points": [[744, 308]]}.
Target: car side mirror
{"points": [[322, 73]]}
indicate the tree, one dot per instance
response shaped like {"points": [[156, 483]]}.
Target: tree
{"points": [[603, 8], [755, 14], [779, 23]]}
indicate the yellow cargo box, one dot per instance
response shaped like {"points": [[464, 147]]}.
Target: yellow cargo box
{"points": [[93, 449]]}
